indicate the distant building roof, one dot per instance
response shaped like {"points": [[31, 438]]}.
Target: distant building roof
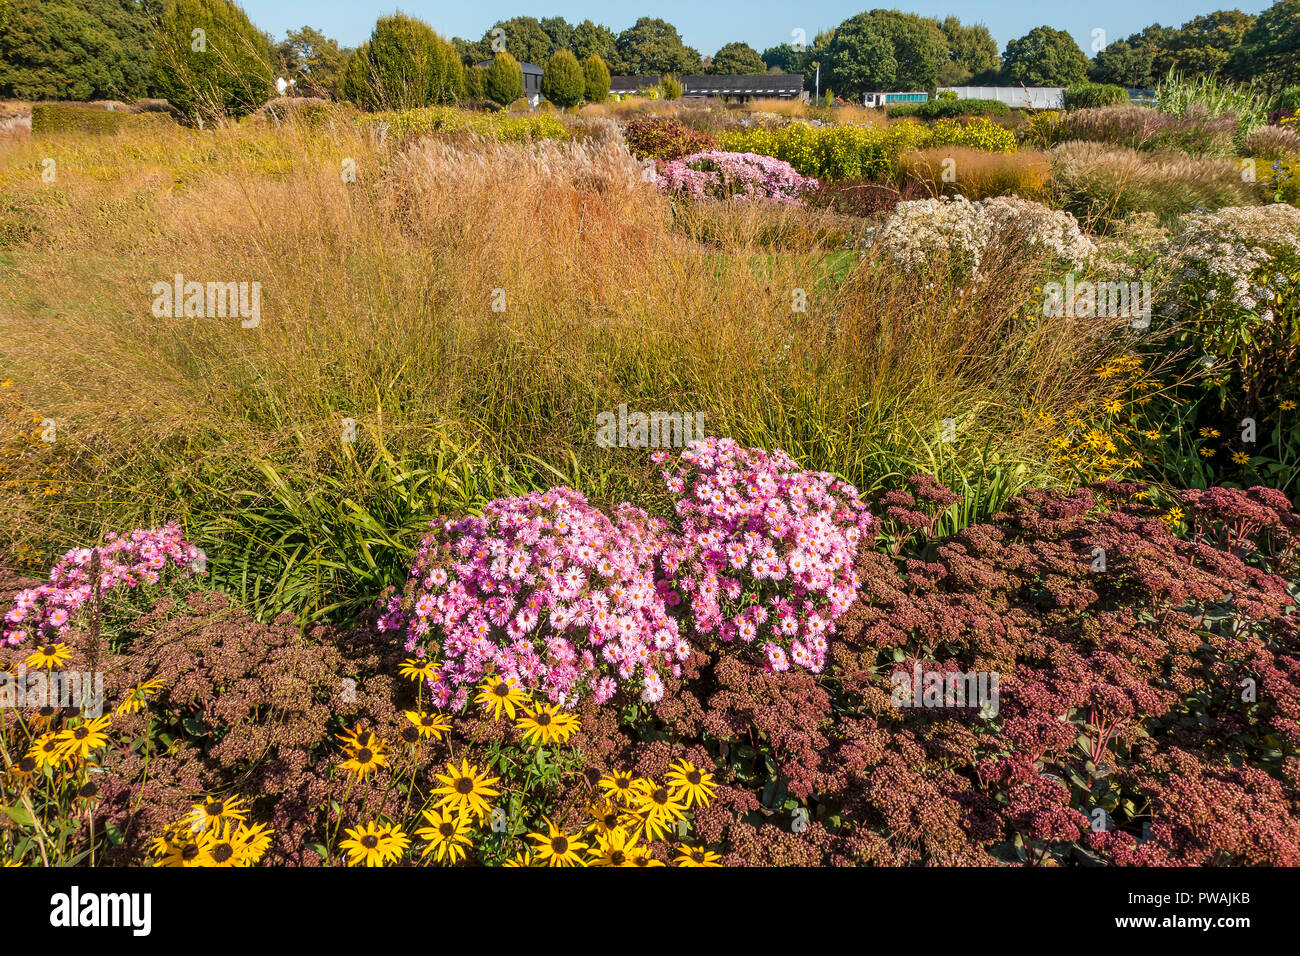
{"points": [[526, 67], [757, 84]]}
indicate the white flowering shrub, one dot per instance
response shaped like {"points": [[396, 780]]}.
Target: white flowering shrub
{"points": [[962, 232]]}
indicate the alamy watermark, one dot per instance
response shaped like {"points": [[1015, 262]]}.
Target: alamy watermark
{"points": [[648, 429], [1110, 300], [922, 688], [182, 299], [83, 690]]}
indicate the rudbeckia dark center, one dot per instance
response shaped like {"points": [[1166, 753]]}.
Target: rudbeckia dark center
{"points": [[464, 785], [364, 755], [370, 841], [694, 778], [661, 795], [618, 858], [560, 845], [222, 852], [447, 829]]}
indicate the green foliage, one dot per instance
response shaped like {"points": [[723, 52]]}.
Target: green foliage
{"points": [[670, 88], [884, 50], [1270, 49], [210, 61], [971, 49], [1044, 57], [504, 82], [475, 82], [653, 46], [79, 118], [595, 39], [1179, 95], [563, 81], [404, 65], [313, 61], [862, 152], [1125, 63], [595, 79], [524, 38], [75, 50], [737, 59], [1084, 95], [948, 108]]}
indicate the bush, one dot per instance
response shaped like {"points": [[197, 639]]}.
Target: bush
{"points": [[404, 65], [864, 198], [1088, 95], [231, 75], [493, 125], [670, 88], [1101, 185], [504, 82], [595, 79], [978, 174], [1273, 142], [84, 118], [563, 81], [949, 109], [963, 233], [1137, 127], [716, 174], [665, 138], [862, 152]]}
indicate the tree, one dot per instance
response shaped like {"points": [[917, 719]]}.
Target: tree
{"points": [[1124, 63], [1203, 45], [524, 39], [595, 79], [404, 65], [210, 61], [474, 82], [559, 31], [1270, 49], [313, 61], [74, 49], [885, 49], [1044, 57], [595, 39], [971, 50], [563, 82], [504, 82], [738, 59], [653, 46]]}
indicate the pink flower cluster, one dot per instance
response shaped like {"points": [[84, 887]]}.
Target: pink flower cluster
{"points": [[140, 557], [545, 589], [766, 550], [717, 174]]}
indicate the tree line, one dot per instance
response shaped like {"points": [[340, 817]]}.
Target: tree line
{"points": [[128, 49]]}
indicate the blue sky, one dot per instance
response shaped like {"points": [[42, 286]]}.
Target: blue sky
{"points": [[708, 25]]}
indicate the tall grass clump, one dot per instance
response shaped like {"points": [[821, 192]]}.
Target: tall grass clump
{"points": [[444, 327], [1209, 95]]}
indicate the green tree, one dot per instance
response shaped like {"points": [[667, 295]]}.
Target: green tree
{"points": [[474, 82], [313, 61], [596, 39], [737, 59], [504, 82], [653, 46], [74, 49], [563, 82], [523, 38], [885, 49], [404, 65], [1203, 45], [1124, 63], [210, 61], [1270, 49], [971, 51], [595, 79], [560, 32], [1044, 57]]}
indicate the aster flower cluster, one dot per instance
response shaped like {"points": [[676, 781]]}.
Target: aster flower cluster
{"points": [[1240, 256], [126, 561], [765, 554], [717, 174], [545, 590], [965, 230]]}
